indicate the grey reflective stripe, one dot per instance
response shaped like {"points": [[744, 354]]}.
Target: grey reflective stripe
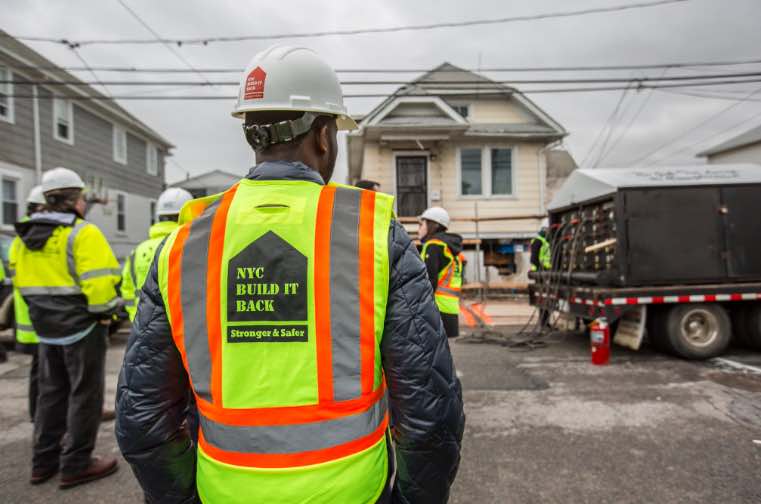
{"points": [[70, 262], [194, 265], [296, 438], [100, 308], [99, 273], [130, 302], [344, 295], [447, 290], [50, 291], [132, 269], [24, 327]]}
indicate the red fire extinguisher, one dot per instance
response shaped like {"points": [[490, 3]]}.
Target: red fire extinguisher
{"points": [[599, 335]]}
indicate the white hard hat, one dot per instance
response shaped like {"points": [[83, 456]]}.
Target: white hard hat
{"points": [[61, 178], [291, 78], [437, 214], [170, 202], [35, 196]]}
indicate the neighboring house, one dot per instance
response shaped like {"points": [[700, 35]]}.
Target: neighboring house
{"points": [[42, 126], [744, 148], [459, 140], [208, 183]]}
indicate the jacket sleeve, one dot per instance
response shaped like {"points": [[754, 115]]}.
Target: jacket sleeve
{"points": [[424, 393], [128, 286], [98, 270], [152, 401]]}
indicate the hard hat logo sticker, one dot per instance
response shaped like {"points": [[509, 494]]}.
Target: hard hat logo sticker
{"points": [[254, 88]]}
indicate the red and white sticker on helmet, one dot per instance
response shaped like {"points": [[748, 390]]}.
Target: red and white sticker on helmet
{"points": [[255, 84]]}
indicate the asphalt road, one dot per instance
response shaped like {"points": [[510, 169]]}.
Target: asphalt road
{"points": [[543, 426]]}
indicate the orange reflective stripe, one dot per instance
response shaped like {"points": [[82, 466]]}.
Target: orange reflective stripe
{"points": [[174, 289], [289, 414], [269, 460], [367, 290], [323, 224], [213, 280]]}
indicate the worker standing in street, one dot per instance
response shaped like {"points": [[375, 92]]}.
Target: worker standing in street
{"points": [[26, 338], [140, 259], [299, 315], [541, 260], [67, 275], [442, 254]]}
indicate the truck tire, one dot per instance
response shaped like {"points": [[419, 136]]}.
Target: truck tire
{"points": [[752, 329], [740, 336], [698, 331]]}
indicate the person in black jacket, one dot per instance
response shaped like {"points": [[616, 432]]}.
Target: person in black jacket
{"points": [[154, 408]]}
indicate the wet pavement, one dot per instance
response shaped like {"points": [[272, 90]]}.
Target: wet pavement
{"points": [[544, 425]]}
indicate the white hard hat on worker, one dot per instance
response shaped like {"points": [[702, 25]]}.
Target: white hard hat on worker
{"points": [[286, 78], [61, 178], [170, 202], [438, 215], [36, 197]]}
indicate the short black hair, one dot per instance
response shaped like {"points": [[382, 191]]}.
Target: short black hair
{"points": [[366, 184]]}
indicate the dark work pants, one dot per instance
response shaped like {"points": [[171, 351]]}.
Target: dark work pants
{"points": [[451, 324], [31, 349], [70, 402]]}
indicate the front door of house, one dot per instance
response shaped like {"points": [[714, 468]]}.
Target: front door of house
{"points": [[411, 185]]}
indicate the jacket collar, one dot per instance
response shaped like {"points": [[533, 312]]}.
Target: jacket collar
{"points": [[162, 229], [284, 170]]}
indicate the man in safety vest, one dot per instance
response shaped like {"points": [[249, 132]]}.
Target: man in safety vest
{"points": [[541, 254], [442, 254], [67, 275], [26, 338], [299, 315], [139, 261]]}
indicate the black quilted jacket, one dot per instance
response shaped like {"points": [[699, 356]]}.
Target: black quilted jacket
{"points": [[153, 398]]}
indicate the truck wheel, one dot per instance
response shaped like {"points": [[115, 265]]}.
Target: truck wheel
{"points": [[698, 331], [752, 327], [740, 327]]}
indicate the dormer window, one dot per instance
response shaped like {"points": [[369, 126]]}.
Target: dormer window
{"points": [[463, 110]]}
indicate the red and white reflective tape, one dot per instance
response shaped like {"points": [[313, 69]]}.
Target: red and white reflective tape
{"points": [[694, 298]]}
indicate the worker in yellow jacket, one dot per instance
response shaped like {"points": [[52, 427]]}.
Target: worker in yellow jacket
{"points": [[67, 275], [140, 259], [26, 338]]}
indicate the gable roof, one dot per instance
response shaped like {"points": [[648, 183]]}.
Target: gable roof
{"points": [[28, 58], [447, 80], [751, 136]]}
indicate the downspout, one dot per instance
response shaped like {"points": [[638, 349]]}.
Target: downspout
{"points": [[37, 146]]}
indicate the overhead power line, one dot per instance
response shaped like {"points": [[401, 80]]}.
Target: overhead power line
{"points": [[355, 31], [432, 84], [587, 89], [578, 68]]}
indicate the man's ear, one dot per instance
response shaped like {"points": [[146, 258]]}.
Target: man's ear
{"points": [[322, 139]]}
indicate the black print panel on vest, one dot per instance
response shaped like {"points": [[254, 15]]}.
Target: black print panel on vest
{"points": [[267, 281]]}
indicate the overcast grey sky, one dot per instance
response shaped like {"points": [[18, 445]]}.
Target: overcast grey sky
{"points": [[208, 138]]}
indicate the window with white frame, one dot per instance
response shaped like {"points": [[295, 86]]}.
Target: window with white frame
{"points": [[10, 200], [6, 95], [121, 212], [120, 144], [63, 120], [486, 171], [151, 159], [463, 110]]}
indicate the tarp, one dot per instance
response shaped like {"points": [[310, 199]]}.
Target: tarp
{"points": [[591, 183]]}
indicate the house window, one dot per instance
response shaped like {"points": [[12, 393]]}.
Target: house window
{"points": [[121, 212], [463, 110], [152, 159], [6, 95], [120, 145], [486, 172], [63, 120], [153, 212], [470, 172], [501, 171], [10, 201]]}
